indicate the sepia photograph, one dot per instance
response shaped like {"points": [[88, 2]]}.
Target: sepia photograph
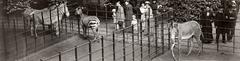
{"points": [[119, 30]]}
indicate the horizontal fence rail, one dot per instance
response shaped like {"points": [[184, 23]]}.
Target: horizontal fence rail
{"points": [[150, 39]]}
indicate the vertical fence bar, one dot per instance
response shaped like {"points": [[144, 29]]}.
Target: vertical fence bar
{"points": [[169, 38], [114, 56], [78, 22], [102, 48], [34, 32], [234, 42], [133, 53], [76, 53], [60, 56], [65, 20], [179, 51], [162, 36], [106, 28], [90, 50], [15, 36], [43, 29], [148, 36], [156, 35], [141, 39], [59, 28], [51, 24], [217, 45], [124, 46], [25, 34], [106, 17]]}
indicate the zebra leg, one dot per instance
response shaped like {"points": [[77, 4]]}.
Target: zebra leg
{"points": [[172, 47], [56, 29], [84, 31], [32, 29], [191, 46], [199, 42], [179, 50], [35, 30]]}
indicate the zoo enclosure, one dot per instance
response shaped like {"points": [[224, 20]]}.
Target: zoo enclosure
{"points": [[17, 30]]}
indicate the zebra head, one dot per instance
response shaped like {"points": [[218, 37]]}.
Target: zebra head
{"points": [[64, 8], [79, 10]]}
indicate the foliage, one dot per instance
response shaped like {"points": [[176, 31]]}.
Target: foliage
{"points": [[191, 9], [17, 5]]}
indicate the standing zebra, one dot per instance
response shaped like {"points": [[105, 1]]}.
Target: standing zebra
{"points": [[47, 16]]}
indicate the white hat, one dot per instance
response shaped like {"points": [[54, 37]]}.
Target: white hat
{"points": [[147, 2], [114, 10]]}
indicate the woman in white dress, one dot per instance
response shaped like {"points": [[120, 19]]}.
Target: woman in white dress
{"points": [[143, 10]]}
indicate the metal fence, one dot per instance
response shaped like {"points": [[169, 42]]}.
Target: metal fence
{"points": [[121, 45], [114, 45]]}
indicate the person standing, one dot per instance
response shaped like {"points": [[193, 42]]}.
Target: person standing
{"points": [[120, 17], [149, 17], [143, 10], [206, 22], [220, 25], [128, 15], [154, 7], [232, 12]]}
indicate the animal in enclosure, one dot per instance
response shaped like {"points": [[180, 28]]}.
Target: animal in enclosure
{"points": [[48, 16], [185, 31], [88, 22]]}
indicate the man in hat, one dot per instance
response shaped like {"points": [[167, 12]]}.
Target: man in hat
{"points": [[206, 22], [154, 7], [232, 12], [128, 15]]}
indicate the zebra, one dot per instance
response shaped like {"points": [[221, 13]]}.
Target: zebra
{"points": [[87, 22], [47, 16], [185, 31]]}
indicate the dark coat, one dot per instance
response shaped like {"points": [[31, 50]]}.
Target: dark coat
{"points": [[128, 12]]}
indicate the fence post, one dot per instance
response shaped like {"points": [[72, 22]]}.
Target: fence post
{"points": [[51, 24], [124, 46], [58, 21], [169, 38], [148, 36], [78, 24], [76, 53], [43, 29], [59, 56], [34, 32], [234, 42], [156, 35], [133, 41], [15, 36], [90, 50], [162, 28], [141, 43], [25, 34], [106, 28], [114, 58], [102, 48], [65, 20]]}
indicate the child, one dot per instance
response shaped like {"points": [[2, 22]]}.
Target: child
{"points": [[115, 19], [134, 23]]}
